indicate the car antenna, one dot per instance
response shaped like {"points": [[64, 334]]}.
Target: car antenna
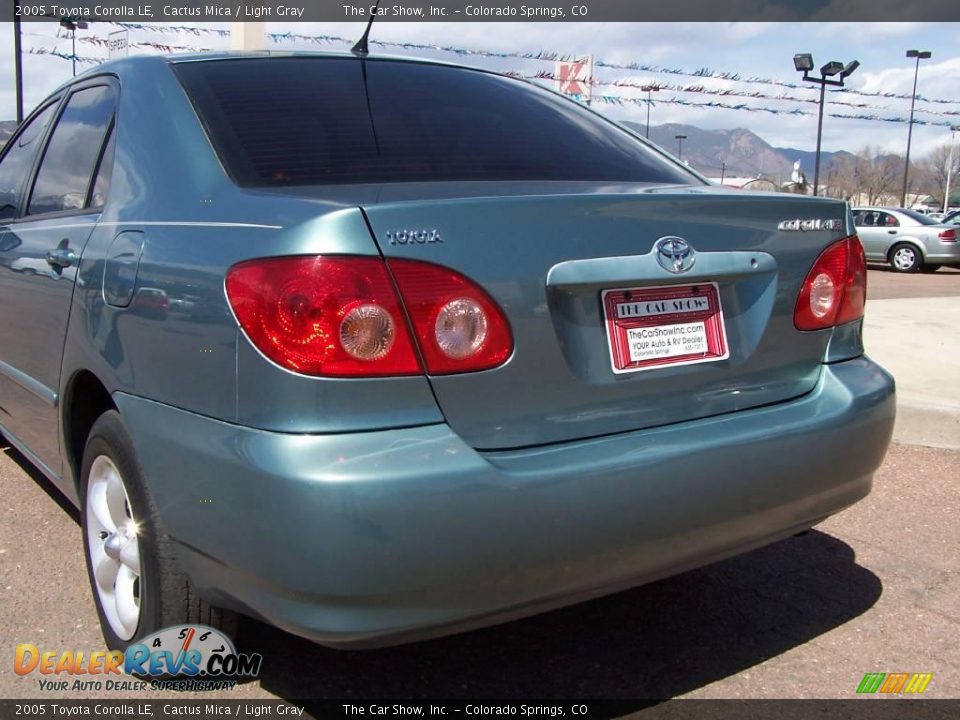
{"points": [[361, 48]]}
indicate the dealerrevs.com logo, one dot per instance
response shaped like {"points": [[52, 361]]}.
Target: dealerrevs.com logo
{"points": [[189, 657]]}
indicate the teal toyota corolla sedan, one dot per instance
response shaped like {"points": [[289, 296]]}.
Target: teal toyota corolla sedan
{"points": [[379, 349]]}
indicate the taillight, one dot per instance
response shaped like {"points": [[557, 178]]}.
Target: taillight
{"points": [[341, 316], [458, 326], [334, 316], [835, 290], [948, 236]]}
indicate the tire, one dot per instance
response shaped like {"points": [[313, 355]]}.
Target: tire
{"points": [[930, 268], [905, 258], [141, 588]]}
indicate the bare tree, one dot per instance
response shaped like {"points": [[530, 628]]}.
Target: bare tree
{"points": [[841, 178], [876, 174]]}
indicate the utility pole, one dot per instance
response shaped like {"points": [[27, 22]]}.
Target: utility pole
{"points": [[18, 60], [946, 192], [919, 55], [680, 139], [803, 62], [649, 89]]}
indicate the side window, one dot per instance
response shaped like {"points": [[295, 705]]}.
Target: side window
{"points": [[858, 218], [887, 220], [70, 159], [16, 164]]}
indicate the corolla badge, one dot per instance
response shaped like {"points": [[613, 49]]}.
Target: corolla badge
{"points": [[805, 225], [674, 254]]}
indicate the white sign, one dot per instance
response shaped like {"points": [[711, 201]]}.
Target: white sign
{"points": [[117, 44], [667, 341]]}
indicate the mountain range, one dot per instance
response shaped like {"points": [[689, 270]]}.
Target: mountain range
{"points": [[734, 153]]}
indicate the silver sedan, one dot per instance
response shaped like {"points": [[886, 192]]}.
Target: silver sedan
{"points": [[908, 240]]}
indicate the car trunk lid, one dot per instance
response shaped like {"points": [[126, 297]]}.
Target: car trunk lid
{"points": [[547, 259]]}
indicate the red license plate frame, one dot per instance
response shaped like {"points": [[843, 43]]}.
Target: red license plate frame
{"points": [[664, 326]]}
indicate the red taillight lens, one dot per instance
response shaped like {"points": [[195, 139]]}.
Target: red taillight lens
{"points": [[458, 326], [835, 290], [333, 316], [948, 236]]}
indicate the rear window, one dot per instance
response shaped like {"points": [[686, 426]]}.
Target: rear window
{"points": [[307, 121], [920, 217]]}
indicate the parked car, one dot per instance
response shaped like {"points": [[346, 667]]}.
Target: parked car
{"points": [[908, 240], [951, 218], [382, 349]]}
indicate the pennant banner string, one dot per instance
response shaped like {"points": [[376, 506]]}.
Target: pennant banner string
{"points": [[542, 55], [619, 99]]}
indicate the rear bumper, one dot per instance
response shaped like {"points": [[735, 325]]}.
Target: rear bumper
{"points": [[381, 537], [943, 253]]}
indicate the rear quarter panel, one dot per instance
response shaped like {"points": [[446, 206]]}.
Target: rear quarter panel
{"points": [[177, 342]]}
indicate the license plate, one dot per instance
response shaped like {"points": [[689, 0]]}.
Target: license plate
{"points": [[655, 327]]}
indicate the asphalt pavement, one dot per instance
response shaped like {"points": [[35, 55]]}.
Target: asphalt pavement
{"points": [[873, 589]]}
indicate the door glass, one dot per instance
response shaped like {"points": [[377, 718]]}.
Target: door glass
{"points": [[72, 153], [15, 165]]}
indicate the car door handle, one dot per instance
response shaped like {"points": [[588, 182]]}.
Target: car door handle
{"points": [[61, 256], [892, 232]]}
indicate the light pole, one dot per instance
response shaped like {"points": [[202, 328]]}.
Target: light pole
{"points": [[946, 192], [649, 89], [680, 139], [919, 55], [71, 24], [18, 59], [803, 62]]}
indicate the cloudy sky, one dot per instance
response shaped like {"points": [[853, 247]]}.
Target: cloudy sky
{"points": [[750, 50]]}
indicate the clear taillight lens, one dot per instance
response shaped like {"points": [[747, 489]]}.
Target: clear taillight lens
{"points": [[835, 290]]}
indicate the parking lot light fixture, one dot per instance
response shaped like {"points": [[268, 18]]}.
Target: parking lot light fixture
{"points": [[803, 62], [832, 68], [919, 55], [850, 67], [649, 89]]}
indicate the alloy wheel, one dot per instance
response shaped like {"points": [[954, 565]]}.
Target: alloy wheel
{"points": [[114, 547]]}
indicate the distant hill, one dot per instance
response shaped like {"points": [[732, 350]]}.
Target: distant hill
{"points": [[737, 153]]}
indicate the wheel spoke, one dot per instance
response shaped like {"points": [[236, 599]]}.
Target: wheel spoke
{"points": [[130, 556], [128, 606], [116, 498], [97, 502], [104, 569]]}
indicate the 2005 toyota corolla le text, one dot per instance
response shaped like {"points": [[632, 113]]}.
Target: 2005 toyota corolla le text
{"points": [[226, 343]]}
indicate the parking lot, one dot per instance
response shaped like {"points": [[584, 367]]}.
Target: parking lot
{"points": [[874, 589]]}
